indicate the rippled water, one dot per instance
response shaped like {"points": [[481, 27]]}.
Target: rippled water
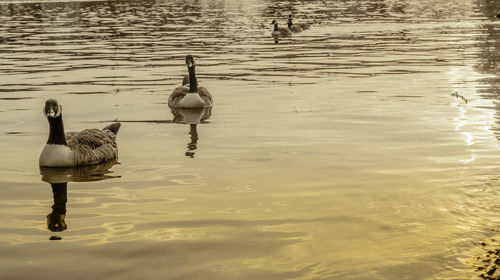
{"points": [[363, 148]]}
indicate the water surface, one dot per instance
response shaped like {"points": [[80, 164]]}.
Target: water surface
{"points": [[363, 148]]}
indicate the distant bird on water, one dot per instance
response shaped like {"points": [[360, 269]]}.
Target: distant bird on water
{"points": [[292, 27], [87, 147], [280, 31], [297, 26], [194, 96]]}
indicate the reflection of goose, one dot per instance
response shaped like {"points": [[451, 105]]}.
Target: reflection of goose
{"points": [[55, 219], [193, 117], [59, 178], [193, 96], [280, 31], [194, 141], [300, 26], [88, 173], [89, 146]]}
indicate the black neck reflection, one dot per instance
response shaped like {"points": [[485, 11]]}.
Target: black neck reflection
{"points": [[55, 219], [193, 117], [58, 178], [194, 140]]}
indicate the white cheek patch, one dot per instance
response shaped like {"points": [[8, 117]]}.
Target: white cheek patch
{"points": [[53, 114], [59, 111]]}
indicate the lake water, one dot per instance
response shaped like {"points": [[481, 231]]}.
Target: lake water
{"points": [[366, 147]]}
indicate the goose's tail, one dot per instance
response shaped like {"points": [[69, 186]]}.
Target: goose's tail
{"points": [[114, 127]]}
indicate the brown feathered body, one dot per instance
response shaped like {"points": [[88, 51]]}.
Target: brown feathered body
{"points": [[92, 146]]}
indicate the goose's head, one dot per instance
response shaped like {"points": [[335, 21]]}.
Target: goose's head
{"points": [[52, 109], [273, 22], [190, 61], [498, 16]]}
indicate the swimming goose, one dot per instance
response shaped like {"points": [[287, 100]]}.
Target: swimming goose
{"points": [[193, 96], [280, 31], [89, 146], [292, 27], [301, 26]]}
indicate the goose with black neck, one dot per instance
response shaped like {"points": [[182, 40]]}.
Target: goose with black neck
{"points": [[280, 31], [86, 147], [190, 94]]}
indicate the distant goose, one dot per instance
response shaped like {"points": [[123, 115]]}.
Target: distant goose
{"points": [[298, 26], [193, 96], [89, 146], [280, 31], [292, 27]]}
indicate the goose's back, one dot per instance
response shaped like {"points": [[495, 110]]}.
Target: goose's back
{"points": [[304, 25], [206, 96], [295, 29], [92, 146], [177, 95], [285, 32]]}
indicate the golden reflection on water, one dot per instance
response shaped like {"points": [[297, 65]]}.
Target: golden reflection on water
{"points": [[339, 153]]}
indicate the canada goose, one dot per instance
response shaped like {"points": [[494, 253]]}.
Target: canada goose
{"points": [[280, 31], [193, 96], [89, 146], [292, 27], [301, 26]]}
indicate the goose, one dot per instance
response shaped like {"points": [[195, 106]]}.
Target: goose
{"points": [[301, 26], [193, 96], [292, 27], [86, 147], [280, 31]]}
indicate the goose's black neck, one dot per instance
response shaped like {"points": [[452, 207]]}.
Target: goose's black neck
{"points": [[275, 26], [193, 83], [56, 134], [290, 23]]}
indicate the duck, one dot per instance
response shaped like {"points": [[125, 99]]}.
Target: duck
{"points": [[190, 94], [298, 26], [86, 147], [280, 31]]}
